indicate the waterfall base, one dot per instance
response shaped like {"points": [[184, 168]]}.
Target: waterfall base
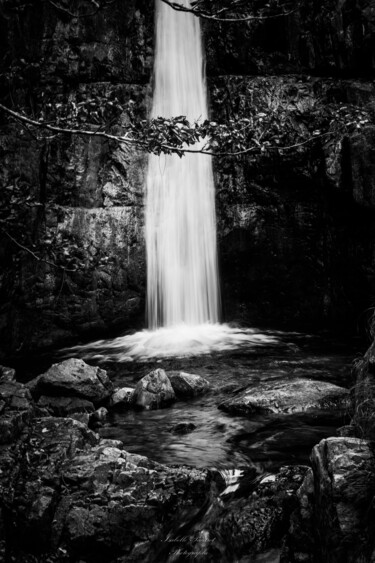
{"points": [[176, 341]]}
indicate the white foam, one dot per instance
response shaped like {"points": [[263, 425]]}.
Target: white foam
{"points": [[176, 341]]}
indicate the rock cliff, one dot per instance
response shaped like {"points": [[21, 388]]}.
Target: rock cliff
{"points": [[296, 232]]}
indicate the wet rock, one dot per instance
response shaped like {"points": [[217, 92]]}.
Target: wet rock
{"points": [[65, 406], [187, 385], [16, 409], [98, 418], [229, 388], [82, 417], [334, 518], [285, 397], [250, 520], [344, 474], [183, 428], [154, 391], [73, 378], [7, 374], [92, 499], [122, 397]]}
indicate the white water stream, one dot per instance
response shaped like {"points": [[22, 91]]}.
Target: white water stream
{"points": [[182, 273]]}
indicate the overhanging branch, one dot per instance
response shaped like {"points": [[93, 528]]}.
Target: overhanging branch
{"points": [[164, 147], [213, 17]]}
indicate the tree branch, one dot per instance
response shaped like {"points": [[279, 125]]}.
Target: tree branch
{"points": [[180, 150], [33, 253], [296, 145], [79, 16], [205, 15], [43, 125]]}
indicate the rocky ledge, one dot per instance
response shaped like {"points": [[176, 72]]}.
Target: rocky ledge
{"points": [[286, 397]]}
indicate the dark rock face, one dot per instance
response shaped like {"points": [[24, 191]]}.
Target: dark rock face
{"points": [[321, 37], [73, 378], [89, 498], [294, 230], [89, 193], [295, 396], [16, 406], [334, 521], [187, 385], [154, 391]]}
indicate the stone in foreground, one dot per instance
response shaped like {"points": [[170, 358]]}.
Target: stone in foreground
{"points": [[122, 397], [154, 391], [187, 385], [334, 521], [73, 378], [287, 397]]}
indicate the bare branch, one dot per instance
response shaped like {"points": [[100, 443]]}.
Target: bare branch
{"points": [[37, 258], [296, 145], [79, 16], [43, 125], [205, 15]]}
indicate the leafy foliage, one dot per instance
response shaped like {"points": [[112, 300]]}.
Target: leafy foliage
{"points": [[278, 126]]}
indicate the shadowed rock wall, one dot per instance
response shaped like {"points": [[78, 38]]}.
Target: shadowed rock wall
{"points": [[296, 238], [88, 191]]}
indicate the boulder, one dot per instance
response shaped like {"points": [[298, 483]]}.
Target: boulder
{"points": [[333, 520], [65, 406], [154, 391], [121, 397], [344, 476], [286, 397], [73, 378], [187, 385]]}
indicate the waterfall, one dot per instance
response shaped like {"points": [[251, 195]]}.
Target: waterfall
{"points": [[182, 273]]}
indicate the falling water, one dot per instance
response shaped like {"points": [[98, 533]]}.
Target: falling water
{"points": [[182, 275]]}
